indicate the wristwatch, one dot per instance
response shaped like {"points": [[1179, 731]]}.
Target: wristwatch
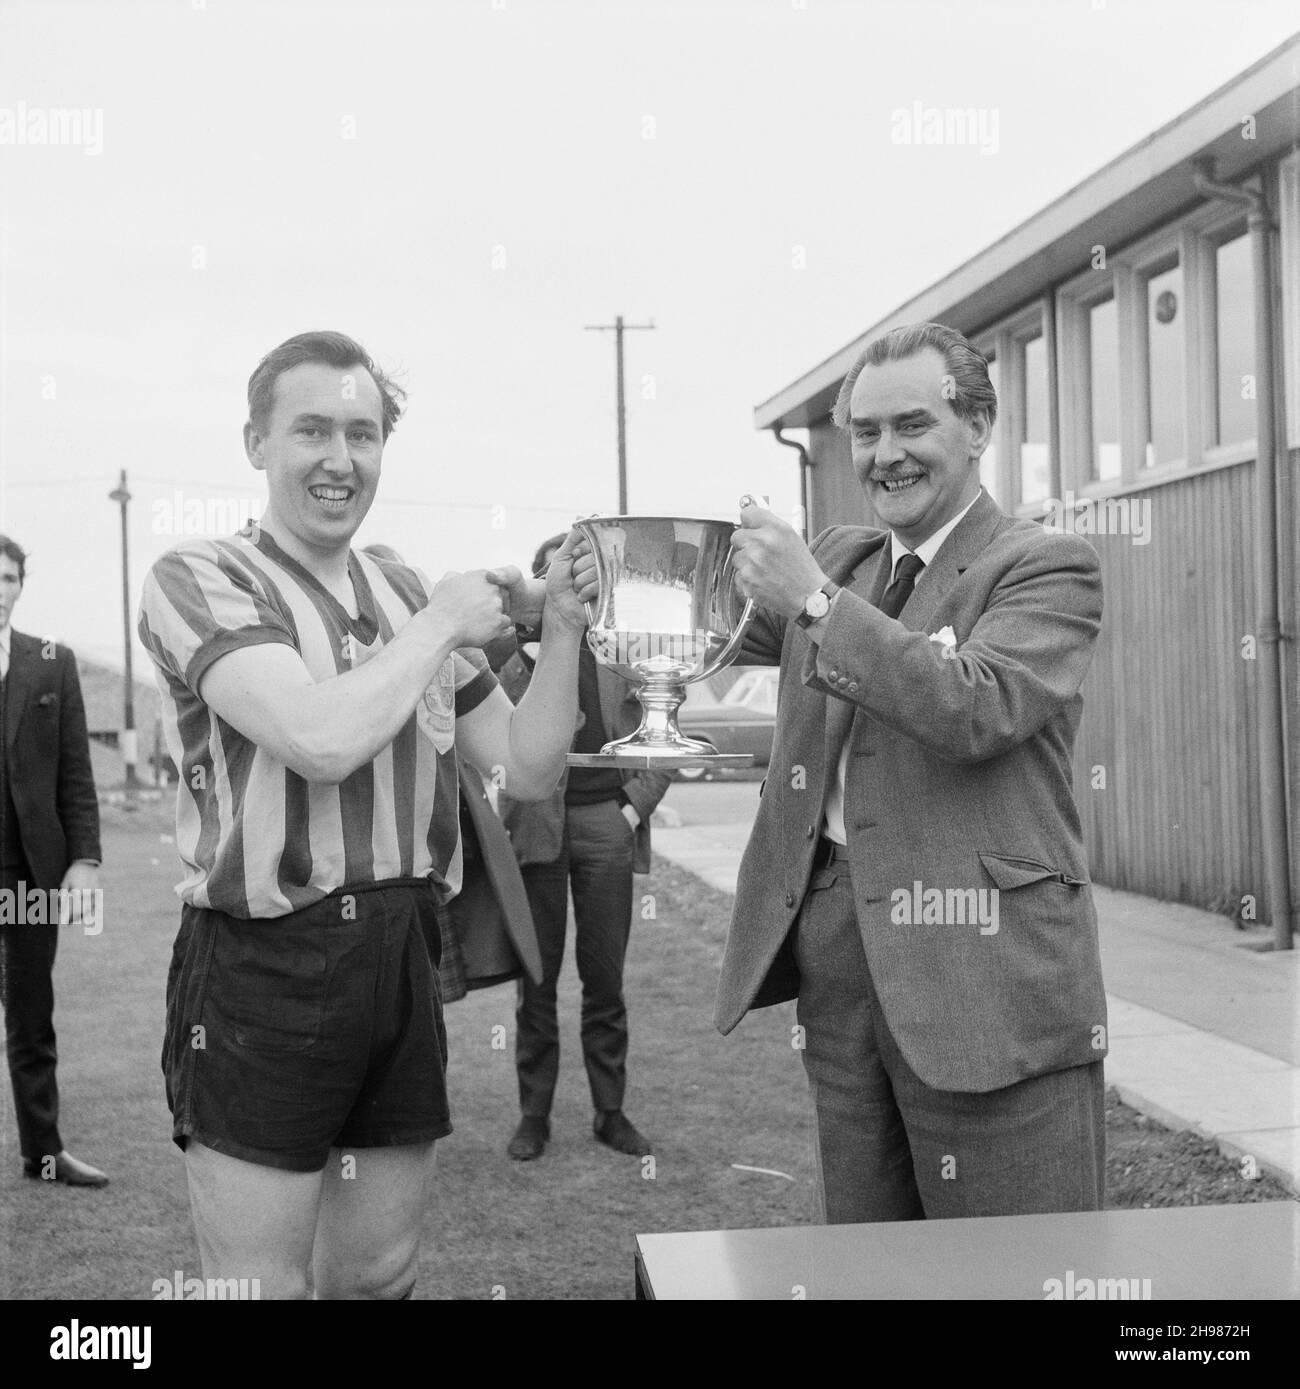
{"points": [[817, 604]]}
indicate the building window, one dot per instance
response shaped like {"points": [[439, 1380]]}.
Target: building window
{"points": [[1016, 469], [1165, 368], [1234, 340], [989, 459], [1103, 390], [1034, 441], [1156, 357]]}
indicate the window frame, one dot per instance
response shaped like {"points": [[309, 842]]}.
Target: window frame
{"points": [[1191, 241], [1168, 253], [1216, 233], [1284, 182], [986, 344], [1075, 302], [1006, 340]]}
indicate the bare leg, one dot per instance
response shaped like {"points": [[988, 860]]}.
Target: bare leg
{"points": [[373, 1202], [253, 1221]]}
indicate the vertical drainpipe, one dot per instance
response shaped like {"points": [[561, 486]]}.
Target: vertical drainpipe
{"points": [[805, 464], [1272, 774]]}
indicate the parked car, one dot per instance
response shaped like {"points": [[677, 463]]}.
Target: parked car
{"points": [[742, 720]]}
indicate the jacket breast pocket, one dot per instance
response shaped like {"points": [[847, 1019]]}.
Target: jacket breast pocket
{"points": [[44, 713]]}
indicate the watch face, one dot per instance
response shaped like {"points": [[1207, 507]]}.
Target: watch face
{"points": [[818, 605]]}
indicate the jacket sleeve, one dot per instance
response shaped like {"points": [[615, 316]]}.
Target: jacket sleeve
{"points": [[500, 650], [645, 790], [763, 638], [1025, 657], [78, 806], [766, 633]]}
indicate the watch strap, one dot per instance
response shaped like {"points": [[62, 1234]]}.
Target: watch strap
{"points": [[804, 618]]}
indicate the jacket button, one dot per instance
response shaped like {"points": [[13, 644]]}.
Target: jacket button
{"points": [[853, 687], [835, 675], [789, 899]]}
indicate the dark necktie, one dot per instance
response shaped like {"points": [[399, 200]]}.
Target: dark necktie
{"points": [[897, 594]]}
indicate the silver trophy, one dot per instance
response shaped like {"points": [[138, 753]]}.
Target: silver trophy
{"points": [[667, 613]]}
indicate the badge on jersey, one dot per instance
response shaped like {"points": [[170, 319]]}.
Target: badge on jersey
{"points": [[436, 711]]}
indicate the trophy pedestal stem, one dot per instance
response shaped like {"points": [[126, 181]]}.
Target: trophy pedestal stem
{"points": [[658, 743], [660, 701]]}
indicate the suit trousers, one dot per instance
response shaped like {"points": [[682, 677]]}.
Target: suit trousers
{"points": [[890, 1147], [597, 862], [27, 986]]}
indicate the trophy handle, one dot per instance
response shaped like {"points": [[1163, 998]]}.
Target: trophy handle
{"points": [[589, 535], [728, 652]]}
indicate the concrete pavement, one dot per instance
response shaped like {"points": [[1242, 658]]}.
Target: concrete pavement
{"points": [[1204, 1025]]}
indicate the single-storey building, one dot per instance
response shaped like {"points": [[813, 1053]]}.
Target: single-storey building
{"points": [[1143, 334]]}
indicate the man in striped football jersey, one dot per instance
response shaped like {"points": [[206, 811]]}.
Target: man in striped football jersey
{"points": [[315, 698]]}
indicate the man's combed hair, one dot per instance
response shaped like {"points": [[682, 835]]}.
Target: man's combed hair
{"points": [[11, 549], [972, 391], [333, 349]]}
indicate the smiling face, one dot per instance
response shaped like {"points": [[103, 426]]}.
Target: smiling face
{"points": [[11, 587], [321, 448], [916, 458]]}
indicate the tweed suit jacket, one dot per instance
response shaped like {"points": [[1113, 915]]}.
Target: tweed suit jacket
{"points": [[48, 757], [958, 778]]}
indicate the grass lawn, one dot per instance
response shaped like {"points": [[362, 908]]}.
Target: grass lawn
{"points": [[560, 1227]]}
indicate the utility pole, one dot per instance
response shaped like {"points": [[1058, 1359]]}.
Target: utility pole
{"points": [[121, 496], [618, 328]]}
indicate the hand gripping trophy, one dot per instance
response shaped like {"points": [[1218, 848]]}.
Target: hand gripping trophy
{"points": [[667, 613]]}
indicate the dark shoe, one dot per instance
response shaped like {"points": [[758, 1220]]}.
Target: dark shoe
{"points": [[614, 1128], [67, 1169], [530, 1138]]}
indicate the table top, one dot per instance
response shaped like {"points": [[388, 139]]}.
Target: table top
{"points": [[1197, 1252]]}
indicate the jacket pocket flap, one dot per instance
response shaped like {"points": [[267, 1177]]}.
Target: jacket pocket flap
{"points": [[1008, 872]]}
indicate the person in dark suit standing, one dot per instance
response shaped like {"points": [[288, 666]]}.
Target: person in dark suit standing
{"points": [[591, 835], [49, 839], [916, 875]]}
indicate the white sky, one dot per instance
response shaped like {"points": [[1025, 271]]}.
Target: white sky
{"points": [[769, 220]]}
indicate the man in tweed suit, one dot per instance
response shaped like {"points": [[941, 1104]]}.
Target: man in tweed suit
{"points": [[916, 876]]}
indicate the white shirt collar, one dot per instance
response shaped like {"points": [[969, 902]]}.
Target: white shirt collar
{"points": [[4, 635], [929, 547]]}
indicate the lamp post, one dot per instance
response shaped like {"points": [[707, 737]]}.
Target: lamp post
{"points": [[121, 496]]}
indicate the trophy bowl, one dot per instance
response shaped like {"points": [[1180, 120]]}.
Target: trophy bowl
{"points": [[667, 613]]}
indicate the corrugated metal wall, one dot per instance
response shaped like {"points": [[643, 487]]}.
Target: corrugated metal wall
{"points": [[1169, 705], [836, 495]]}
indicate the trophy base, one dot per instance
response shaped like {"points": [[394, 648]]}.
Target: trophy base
{"points": [[669, 760]]}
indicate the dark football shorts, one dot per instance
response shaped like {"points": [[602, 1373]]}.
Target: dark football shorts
{"points": [[291, 1035]]}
